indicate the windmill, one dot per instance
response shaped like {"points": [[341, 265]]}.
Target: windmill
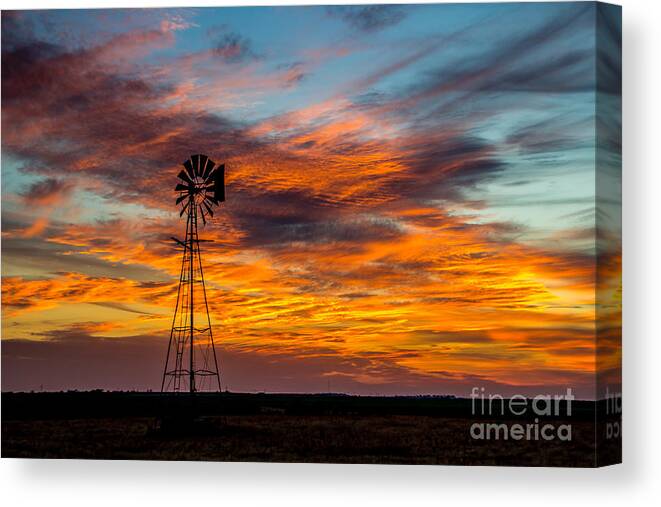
{"points": [[191, 363]]}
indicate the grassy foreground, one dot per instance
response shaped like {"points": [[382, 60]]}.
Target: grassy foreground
{"points": [[274, 428]]}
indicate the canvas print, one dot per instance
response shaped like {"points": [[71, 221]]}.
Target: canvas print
{"points": [[382, 234]]}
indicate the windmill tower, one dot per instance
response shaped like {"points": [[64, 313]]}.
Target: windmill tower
{"points": [[191, 364]]}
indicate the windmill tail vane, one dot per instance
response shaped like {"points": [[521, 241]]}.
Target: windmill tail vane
{"points": [[191, 363]]}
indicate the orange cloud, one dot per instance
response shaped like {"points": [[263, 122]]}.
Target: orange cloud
{"points": [[38, 226]]}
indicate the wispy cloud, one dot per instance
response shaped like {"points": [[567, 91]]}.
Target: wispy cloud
{"points": [[368, 18]]}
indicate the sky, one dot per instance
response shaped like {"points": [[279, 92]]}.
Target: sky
{"points": [[410, 195]]}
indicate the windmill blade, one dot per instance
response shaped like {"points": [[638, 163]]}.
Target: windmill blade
{"points": [[181, 198], [208, 207], [219, 183], [202, 164], [195, 159], [210, 198], [189, 169], [181, 213], [207, 170], [204, 221], [183, 188], [183, 176]]}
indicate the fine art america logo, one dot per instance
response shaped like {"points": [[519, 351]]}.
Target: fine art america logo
{"points": [[535, 411]]}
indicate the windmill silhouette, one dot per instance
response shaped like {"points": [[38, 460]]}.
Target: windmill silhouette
{"points": [[191, 363]]}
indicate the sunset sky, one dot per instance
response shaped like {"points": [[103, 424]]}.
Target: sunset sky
{"points": [[410, 195]]}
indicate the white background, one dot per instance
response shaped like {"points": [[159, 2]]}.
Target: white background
{"points": [[636, 482]]}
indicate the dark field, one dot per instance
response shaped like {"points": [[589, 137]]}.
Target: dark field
{"points": [[280, 428]]}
